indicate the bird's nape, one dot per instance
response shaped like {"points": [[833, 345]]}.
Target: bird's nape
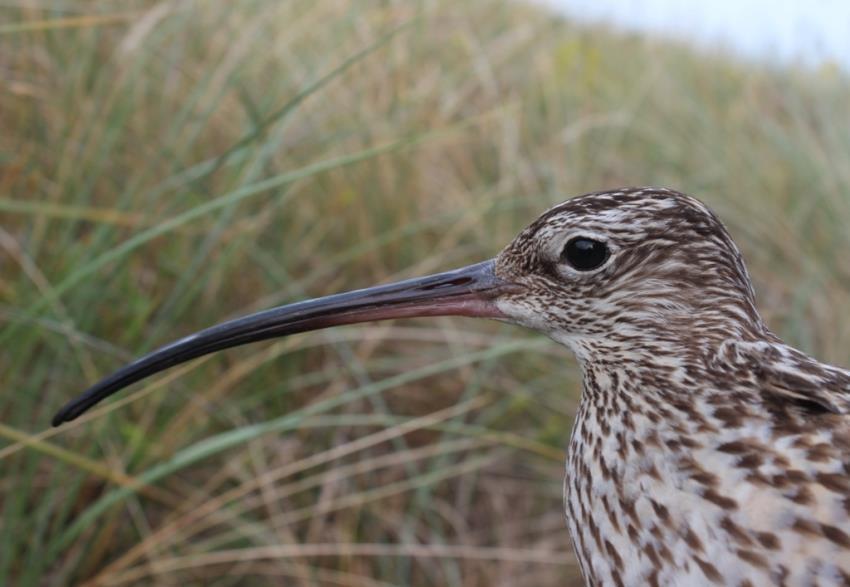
{"points": [[469, 291]]}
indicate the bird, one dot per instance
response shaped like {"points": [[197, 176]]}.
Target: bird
{"points": [[704, 451]]}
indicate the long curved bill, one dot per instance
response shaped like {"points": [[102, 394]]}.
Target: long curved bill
{"points": [[469, 291]]}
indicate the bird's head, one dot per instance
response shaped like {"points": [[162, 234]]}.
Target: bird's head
{"points": [[601, 272], [625, 269]]}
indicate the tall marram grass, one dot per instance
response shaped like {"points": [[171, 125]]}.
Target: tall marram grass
{"points": [[168, 164]]}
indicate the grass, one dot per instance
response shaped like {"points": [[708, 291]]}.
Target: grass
{"points": [[166, 165]]}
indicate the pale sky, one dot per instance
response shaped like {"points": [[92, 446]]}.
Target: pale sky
{"points": [[810, 31]]}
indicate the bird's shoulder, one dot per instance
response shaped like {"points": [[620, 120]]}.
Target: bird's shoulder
{"points": [[784, 375]]}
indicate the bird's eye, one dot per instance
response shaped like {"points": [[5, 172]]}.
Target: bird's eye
{"points": [[585, 254]]}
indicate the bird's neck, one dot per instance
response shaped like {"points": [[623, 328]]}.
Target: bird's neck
{"points": [[632, 444], [681, 467]]}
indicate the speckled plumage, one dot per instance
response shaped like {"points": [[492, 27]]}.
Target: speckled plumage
{"points": [[705, 450]]}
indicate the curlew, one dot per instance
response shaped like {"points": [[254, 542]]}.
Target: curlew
{"points": [[704, 451]]}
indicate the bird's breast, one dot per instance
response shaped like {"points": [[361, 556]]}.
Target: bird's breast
{"points": [[667, 494]]}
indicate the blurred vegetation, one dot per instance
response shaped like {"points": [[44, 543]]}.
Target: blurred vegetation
{"points": [[168, 164]]}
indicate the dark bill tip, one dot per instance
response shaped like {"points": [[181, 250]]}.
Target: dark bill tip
{"points": [[469, 291]]}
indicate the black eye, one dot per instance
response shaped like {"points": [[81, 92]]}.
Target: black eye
{"points": [[585, 254]]}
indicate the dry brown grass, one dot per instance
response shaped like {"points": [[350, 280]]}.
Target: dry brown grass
{"points": [[167, 164]]}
